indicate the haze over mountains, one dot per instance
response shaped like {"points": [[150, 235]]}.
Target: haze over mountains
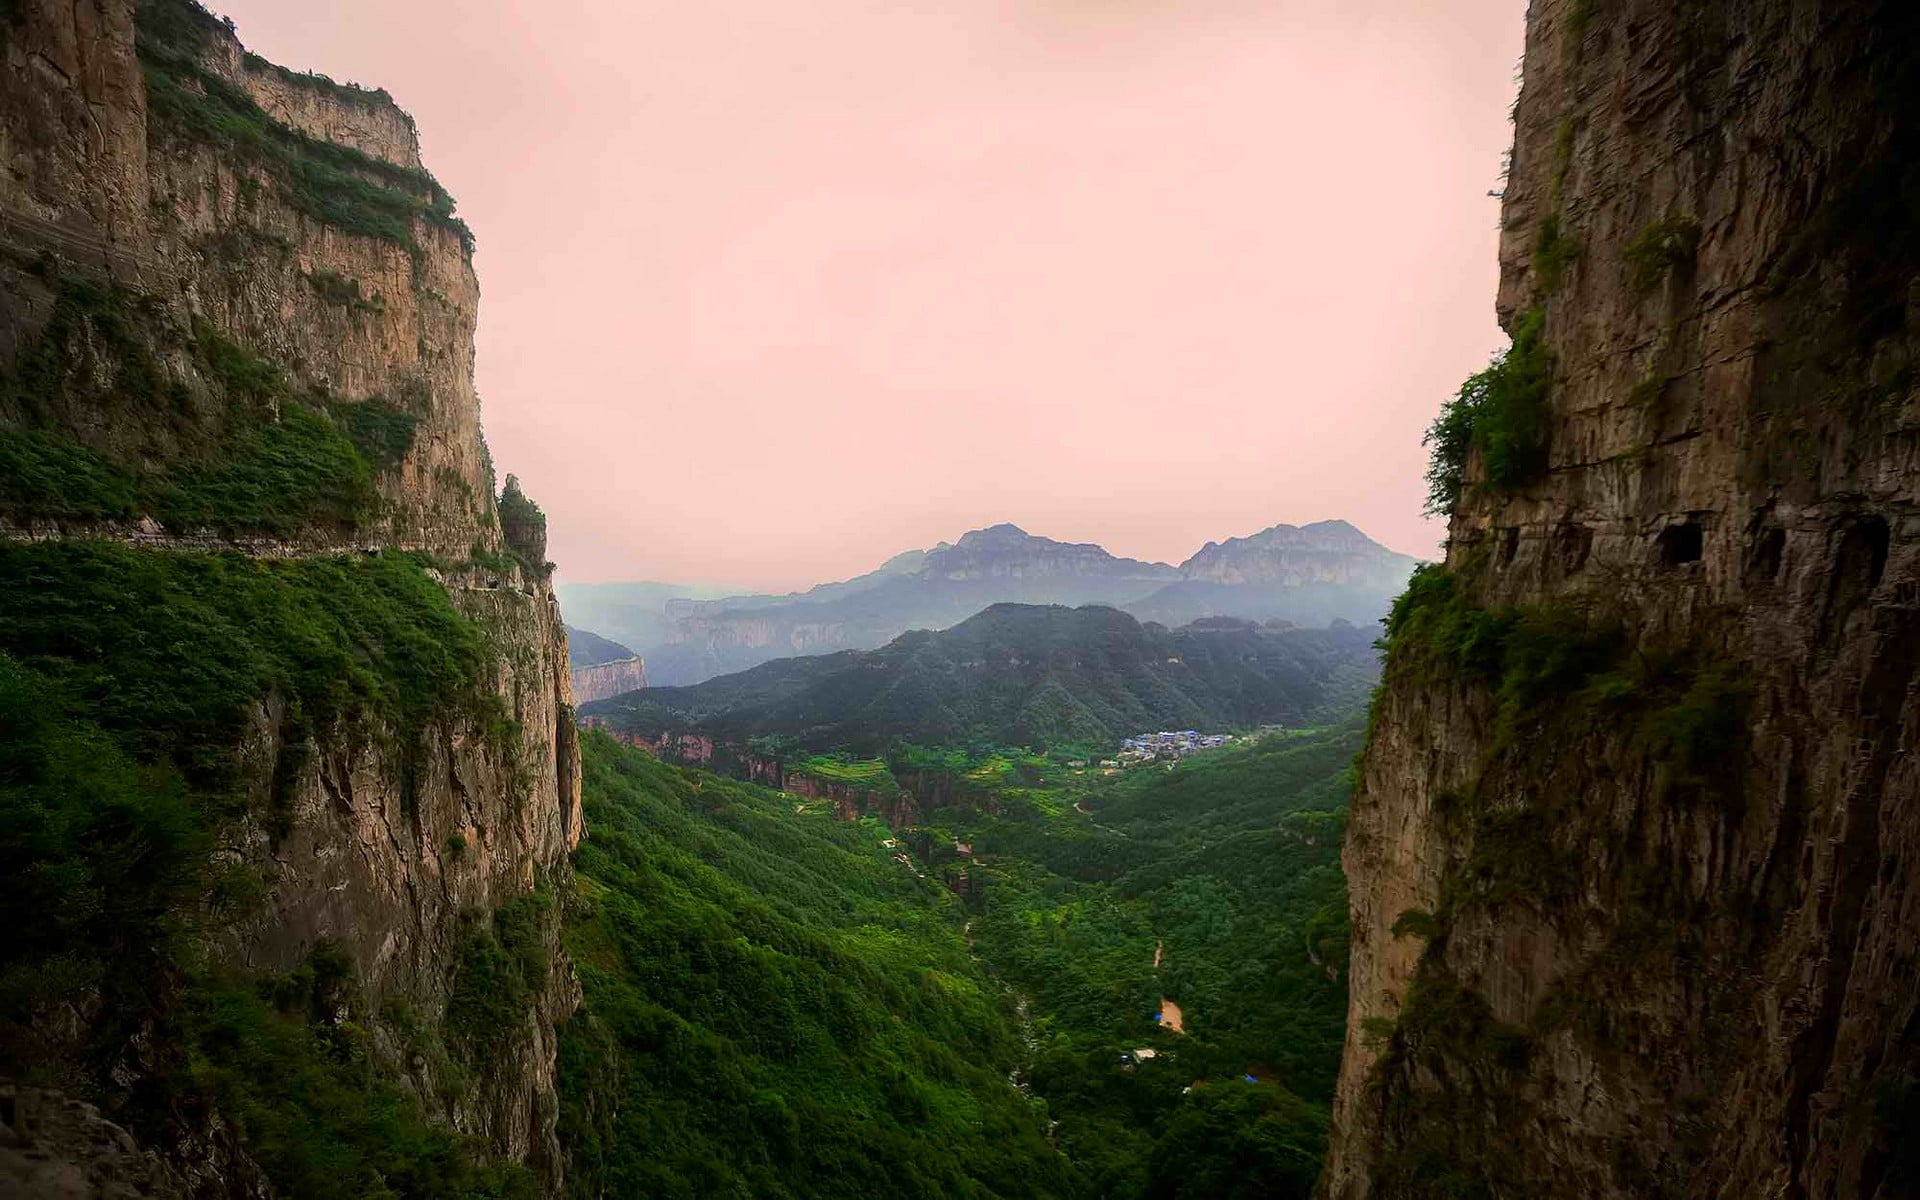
{"points": [[1307, 575]]}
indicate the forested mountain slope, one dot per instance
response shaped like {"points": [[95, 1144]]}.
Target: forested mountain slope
{"points": [[778, 1006], [1024, 675], [779, 1003]]}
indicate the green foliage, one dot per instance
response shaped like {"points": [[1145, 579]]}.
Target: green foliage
{"points": [[127, 681], [239, 450], [345, 188], [1230, 866], [381, 433], [1415, 922], [1560, 679], [300, 1090], [1455, 1065], [774, 1007], [285, 477], [1500, 413], [170, 651], [97, 341], [523, 526], [341, 290], [44, 475], [868, 774], [1658, 250], [1238, 1141], [503, 960], [1555, 251]]}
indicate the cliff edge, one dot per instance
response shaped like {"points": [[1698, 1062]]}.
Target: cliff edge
{"points": [[1632, 854], [257, 576]]}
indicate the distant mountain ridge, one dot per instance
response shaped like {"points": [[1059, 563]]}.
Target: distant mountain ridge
{"points": [[1308, 575], [1023, 675]]}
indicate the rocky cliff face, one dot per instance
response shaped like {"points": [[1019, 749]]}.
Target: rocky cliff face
{"points": [[1632, 855], [600, 681], [211, 267], [202, 182]]}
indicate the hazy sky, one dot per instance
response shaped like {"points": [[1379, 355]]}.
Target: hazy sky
{"points": [[773, 289]]}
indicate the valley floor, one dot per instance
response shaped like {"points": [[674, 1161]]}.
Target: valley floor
{"points": [[1117, 992]]}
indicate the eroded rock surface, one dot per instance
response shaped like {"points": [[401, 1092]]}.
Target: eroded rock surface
{"points": [[1641, 919]]}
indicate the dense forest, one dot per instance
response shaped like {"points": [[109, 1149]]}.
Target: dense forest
{"points": [[782, 1004], [778, 1006], [1215, 885]]}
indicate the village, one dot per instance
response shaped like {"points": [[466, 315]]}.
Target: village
{"points": [[1166, 746]]}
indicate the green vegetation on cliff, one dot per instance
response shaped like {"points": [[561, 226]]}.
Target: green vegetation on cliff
{"points": [[1499, 414], [129, 682], [189, 105], [228, 444], [776, 1007]]}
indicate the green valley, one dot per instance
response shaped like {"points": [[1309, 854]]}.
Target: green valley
{"points": [[779, 1003]]}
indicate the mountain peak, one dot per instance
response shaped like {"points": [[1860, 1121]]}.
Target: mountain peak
{"points": [[1322, 552], [1005, 532]]}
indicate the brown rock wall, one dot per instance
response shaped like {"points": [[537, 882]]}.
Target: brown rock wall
{"points": [[1691, 979]]}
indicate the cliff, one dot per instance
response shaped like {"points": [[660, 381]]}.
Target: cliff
{"points": [[253, 545], [1631, 856], [601, 681]]}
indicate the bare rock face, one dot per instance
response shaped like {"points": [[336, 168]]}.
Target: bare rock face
{"points": [[116, 188], [361, 291], [1632, 860], [602, 681]]}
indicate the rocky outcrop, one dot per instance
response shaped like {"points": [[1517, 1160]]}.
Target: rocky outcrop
{"points": [[175, 272], [1632, 855], [601, 681], [111, 175], [851, 801], [58, 1148]]}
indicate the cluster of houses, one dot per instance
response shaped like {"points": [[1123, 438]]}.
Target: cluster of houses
{"points": [[1147, 747]]}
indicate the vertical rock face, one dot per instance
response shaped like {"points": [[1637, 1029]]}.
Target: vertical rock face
{"points": [[603, 681], [109, 163], [259, 231], [1633, 856]]}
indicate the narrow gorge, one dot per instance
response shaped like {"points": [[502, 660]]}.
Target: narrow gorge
{"points": [[1632, 852], [1013, 867]]}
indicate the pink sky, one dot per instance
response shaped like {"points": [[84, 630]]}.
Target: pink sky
{"points": [[776, 288]]}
